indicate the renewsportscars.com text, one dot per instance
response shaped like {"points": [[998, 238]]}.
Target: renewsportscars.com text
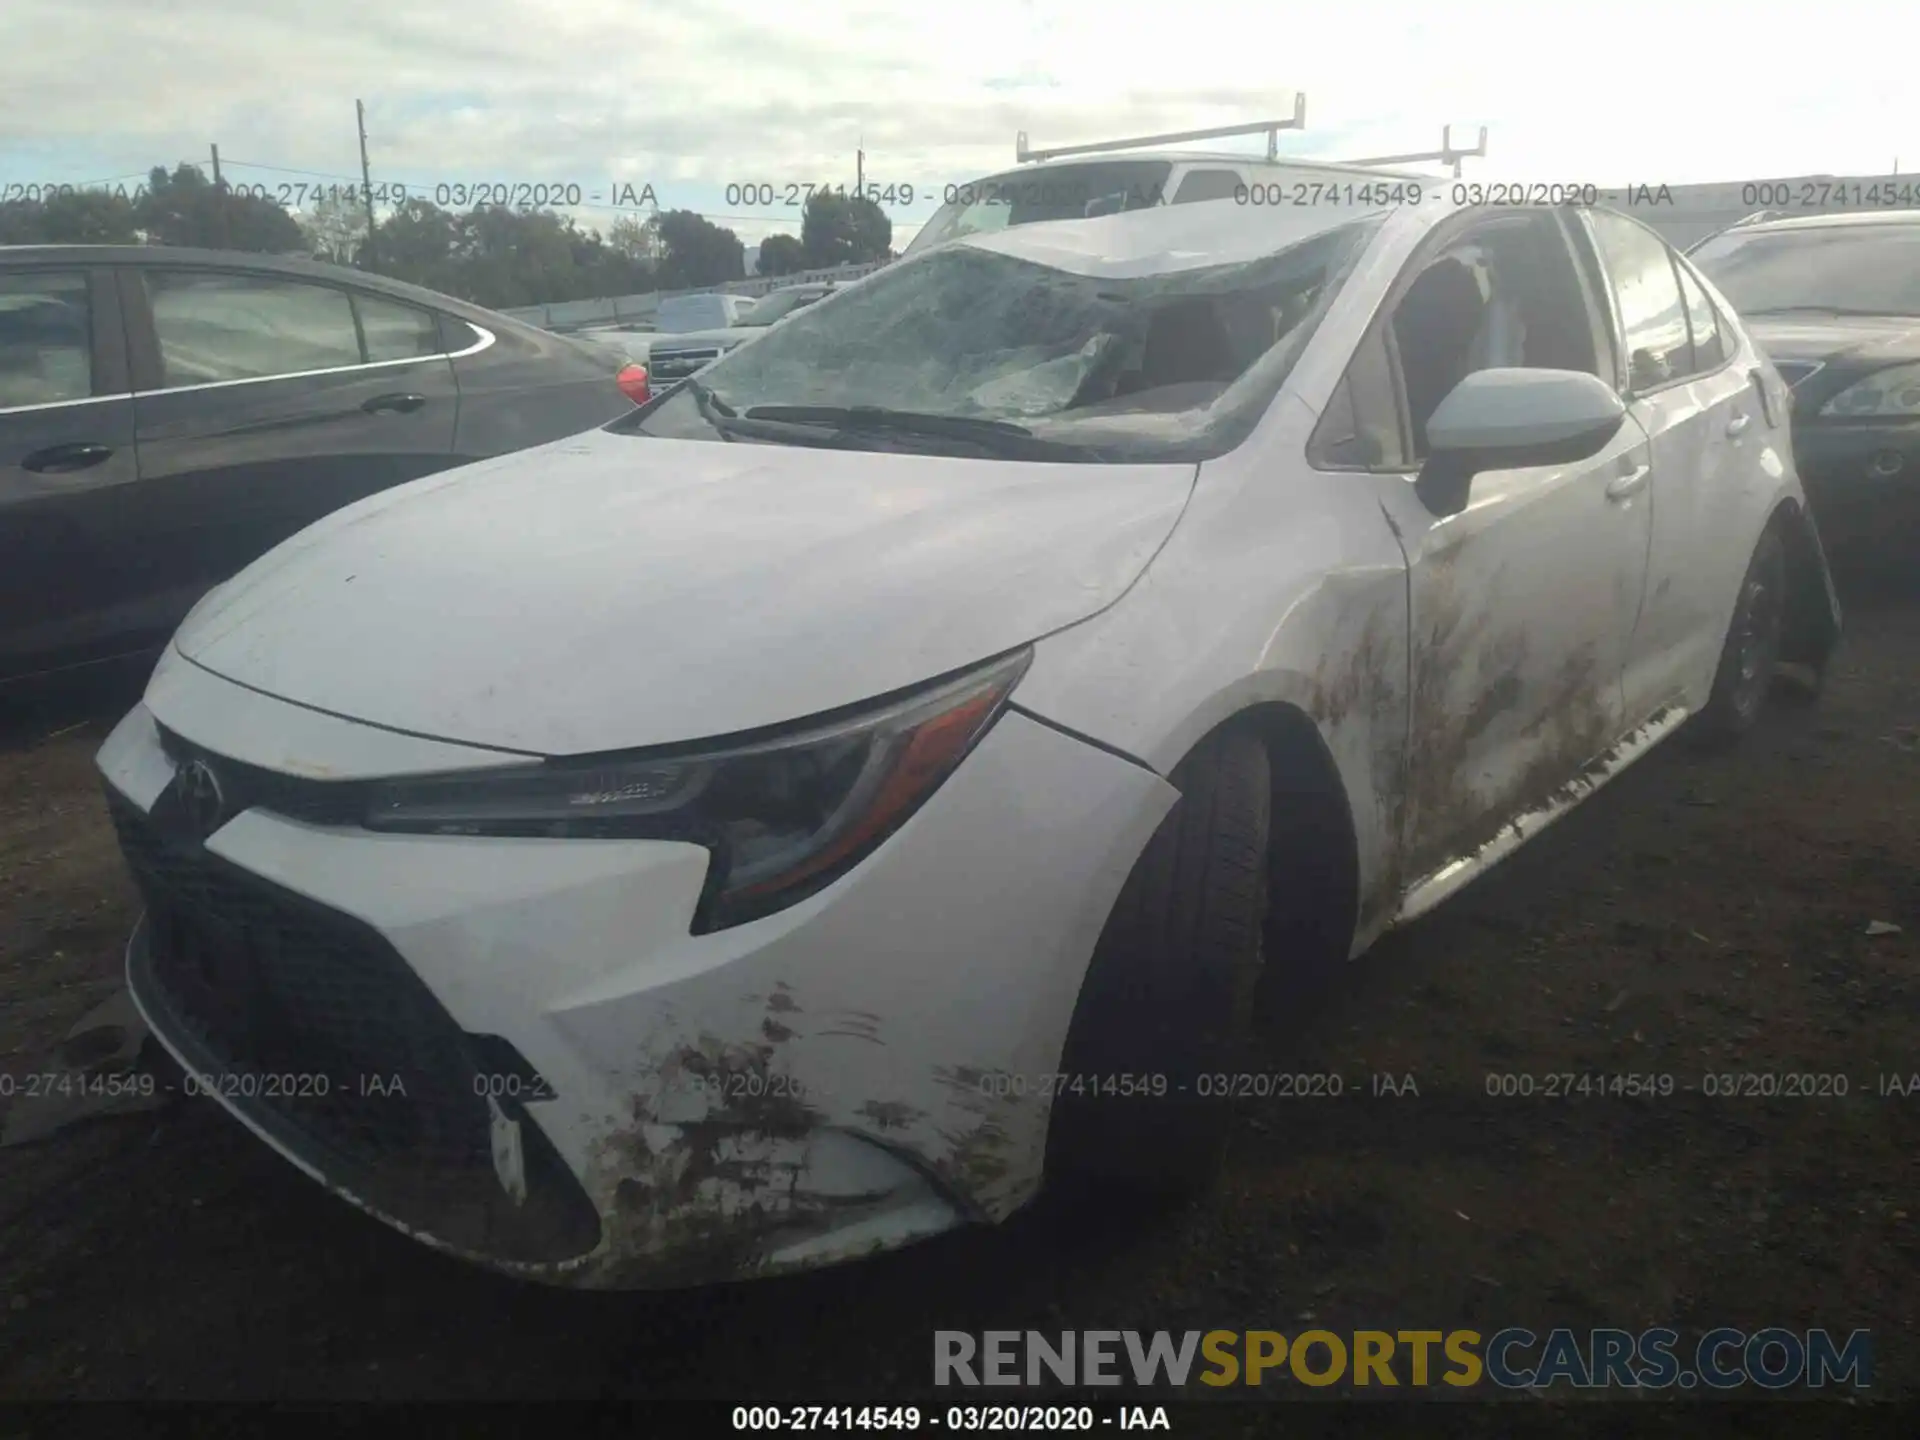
{"points": [[1514, 1358]]}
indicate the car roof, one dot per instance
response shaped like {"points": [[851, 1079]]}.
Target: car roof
{"points": [[1164, 239], [1859, 220], [291, 267]]}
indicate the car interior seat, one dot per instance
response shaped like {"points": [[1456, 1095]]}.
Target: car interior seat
{"points": [[1186, 343], [1435, 327]]}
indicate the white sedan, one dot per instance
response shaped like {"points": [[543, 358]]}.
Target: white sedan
{"points": [[866, 783]]}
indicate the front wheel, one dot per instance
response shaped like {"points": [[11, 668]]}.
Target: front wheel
{"points": [[1752, 647], [1168, 995]]}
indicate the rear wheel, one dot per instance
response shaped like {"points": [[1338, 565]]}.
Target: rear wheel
{"points": [[1752, 647], [1168, 997]]}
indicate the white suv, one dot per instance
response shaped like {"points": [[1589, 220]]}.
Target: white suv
{"points": [[1064, 184]]}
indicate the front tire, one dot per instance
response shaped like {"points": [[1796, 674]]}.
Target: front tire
{"points": [[1752, 647], [1169, 992]]}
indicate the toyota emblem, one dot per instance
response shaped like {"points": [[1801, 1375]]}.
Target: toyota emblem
{"points": [[203, 804]]}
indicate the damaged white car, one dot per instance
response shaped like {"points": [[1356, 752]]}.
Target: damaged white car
{"points": [[865, 784]]}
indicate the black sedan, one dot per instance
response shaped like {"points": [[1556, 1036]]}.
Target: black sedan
{"points": [[1835, 301], [166, 415]]}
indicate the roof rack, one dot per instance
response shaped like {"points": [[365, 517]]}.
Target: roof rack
{"points": [[1447, 154], [1270, 128]]}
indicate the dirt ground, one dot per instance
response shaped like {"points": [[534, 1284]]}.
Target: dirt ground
{"points": [[1701, 915]]}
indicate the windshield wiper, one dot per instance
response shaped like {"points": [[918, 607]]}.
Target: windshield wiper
{"points": [[859, 422], [876, 417], [715, 411]]}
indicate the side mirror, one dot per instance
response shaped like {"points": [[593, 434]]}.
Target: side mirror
{"points": [[1508, 419]]}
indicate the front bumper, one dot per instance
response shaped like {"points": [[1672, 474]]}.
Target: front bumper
{"points": [[529, 1061], [672, 365]]}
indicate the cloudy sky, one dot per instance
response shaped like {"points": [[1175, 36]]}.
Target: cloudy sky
{"points": [[691, 97]]}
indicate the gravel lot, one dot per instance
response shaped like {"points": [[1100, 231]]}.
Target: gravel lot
{"points": [[1701, 915]]}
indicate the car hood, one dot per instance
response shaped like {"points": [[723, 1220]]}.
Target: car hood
{"points": [[1875, 338], [613, 591]]}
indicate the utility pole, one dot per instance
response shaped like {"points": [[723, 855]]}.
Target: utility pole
{"points": [[220, 203], [860, 170], [366, 185]]}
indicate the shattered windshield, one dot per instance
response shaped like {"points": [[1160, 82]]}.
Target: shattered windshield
{"points": [[1177, 365]]}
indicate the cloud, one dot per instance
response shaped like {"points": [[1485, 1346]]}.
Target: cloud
{"points": [[692, 98]]}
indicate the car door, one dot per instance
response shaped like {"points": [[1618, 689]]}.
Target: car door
{"points": [[66, 459], [263, 401], [1523, 603], [1699, 411]]}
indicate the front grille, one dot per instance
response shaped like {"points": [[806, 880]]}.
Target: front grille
{"points": [[312, 1025], [319, 802], [678, 364]]}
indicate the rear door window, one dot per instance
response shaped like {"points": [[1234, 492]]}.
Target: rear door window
{"points": [[213, 326], [46, 350], [1653, 312]]}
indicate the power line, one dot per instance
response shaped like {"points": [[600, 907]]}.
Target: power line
{"points": [[286, 169]]}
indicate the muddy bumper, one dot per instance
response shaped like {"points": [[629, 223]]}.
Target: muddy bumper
{"points": [[518, 1052]]}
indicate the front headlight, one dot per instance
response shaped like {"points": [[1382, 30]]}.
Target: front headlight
{"points": [[1891, 394], [782, 817]]}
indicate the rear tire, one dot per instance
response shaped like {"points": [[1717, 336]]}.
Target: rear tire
{"points": [[1169, 992], [1752, 647]]}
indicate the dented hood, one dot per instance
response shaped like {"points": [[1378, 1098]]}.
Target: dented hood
{"points": [[613, 591]]}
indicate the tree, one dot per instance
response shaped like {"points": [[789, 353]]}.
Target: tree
{"points": [[698, 252], [335, 227], [781, 255], [844, 230], [504, 257], [80, 217], [635, 239], [185, 208]]}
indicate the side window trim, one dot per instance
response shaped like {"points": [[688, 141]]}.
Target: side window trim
{"points": [[146, 359], [1372, 374]]}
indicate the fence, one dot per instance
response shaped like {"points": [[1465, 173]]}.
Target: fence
{"points": [[1697, 211], [629, 309]]}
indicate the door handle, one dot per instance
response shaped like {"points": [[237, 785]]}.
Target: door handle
{"points": [[1737, 426], [1631, 479], [64, 459], [405, 404]]}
